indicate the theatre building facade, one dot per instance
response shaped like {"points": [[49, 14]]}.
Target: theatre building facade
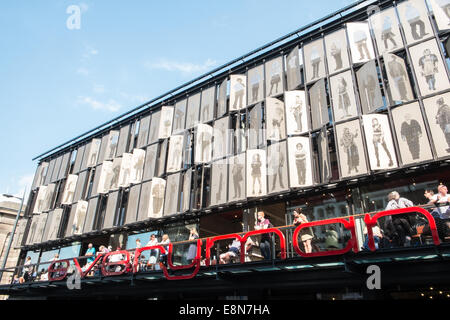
{"points": [[330, 119]]}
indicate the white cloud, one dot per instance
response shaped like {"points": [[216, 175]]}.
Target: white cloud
{"points": [[98, 88], [134, 98], [83, 71], [111, 105], [185, 67]]}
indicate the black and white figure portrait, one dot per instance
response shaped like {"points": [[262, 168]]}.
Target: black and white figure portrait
{"points": [[105, 177], [39, 177], [186, 190], [69, 189], [123, 140], [93, 153], [137, 166], [79, 217], [314, 60], [207, 104], [203, 143], [337, 52], [399, 84], [220, 134], [49, 193], [256, 173], [361, 46], [275, 119], [238, 91], [296, 112], [299, 158], [111, 147], [54, 223], [324, 158], [154, 127], [411, 134], [150, 161], [293, 69], [143, 132], [222, 99], [115, 174], [256, 128], [33, 228], [165, 125], [163, 147], [343, 96], [40, 226], [369, 87], [219, 184], [179, 116], [352, 159], [387, 33], [274, 77], [277, 172], [172, 194], [429, 68], [175, 157], [379, 142], [124, 171], [255, 85], [40, 200], [156, 201], [438, 114], [414, 19], [193, 111], [441, 10], [319, 105]]}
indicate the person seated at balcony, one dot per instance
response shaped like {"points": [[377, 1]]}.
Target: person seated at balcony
{"points": [[43, 276], [90, 252], [138, 243], [27, 269], [377, 238], [164, 242], [102, 250], [266, 241], [331, 239], [398, 227], [442, 197], [153, 252], [306, 234], [15, 279], [116, 258], [192, 251], [233, 252], [441, 226]]}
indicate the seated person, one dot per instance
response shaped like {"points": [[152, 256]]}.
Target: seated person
{"points": [[377, 236], [232, 252]]}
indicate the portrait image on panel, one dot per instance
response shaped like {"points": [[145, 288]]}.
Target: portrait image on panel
{"points": [[429, 69], [399, 84], [293, 69], [256, 173], [93, 152], [32, 230], [299, 159], [69, 189], [179, 116], [324, 156], [361, 47], [156, 203], [343, 96], [441, 11], [154, 127], [256, 128], [379, 142], [222, 99], [218, 183], [414, 19], [236, 176], [193, 110], [105, 177], [172, 193], [125, 170], [49, 193], [387, 33], [79, 218], [411, 134], [203, 143], [114, 175], [296, 112], [277, 172], [150, 161], [175, 157], [275, 119], [438, 115], [111, 148], [255, 85], [220, 134], [337, 51], [40, 226], [40, 175], [137, 166], [238, 91], [54, 224], [318, 104], [207, 104], [186, 190], [40, 200], [165, 126], [91, 215], [123, 140], [352, 160], [369, 87], [314, 60], [143, 132], [274, 77]]}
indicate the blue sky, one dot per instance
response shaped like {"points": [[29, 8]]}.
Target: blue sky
{"points": [[56, 83]]}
